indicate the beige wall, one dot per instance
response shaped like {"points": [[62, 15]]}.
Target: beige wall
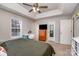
{"points": [[27, 24], [51, 20], [5, 24]]}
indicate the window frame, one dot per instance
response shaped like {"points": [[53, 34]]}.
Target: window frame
{"points": [[20, 23]]}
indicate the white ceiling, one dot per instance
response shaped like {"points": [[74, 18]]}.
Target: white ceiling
{"points": [[52, 10], [51, 6]]}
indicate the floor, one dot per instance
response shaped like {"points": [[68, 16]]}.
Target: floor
{"points": [[61, 49]]}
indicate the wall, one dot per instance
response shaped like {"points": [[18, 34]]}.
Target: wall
{"points": [[5, 22], [51, 20], [76, 28]]}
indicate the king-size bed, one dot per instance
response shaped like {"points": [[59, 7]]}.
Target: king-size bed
{"points": [[22, 47]]}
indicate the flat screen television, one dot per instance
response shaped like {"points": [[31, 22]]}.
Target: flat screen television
{"points": [[44, 26]]}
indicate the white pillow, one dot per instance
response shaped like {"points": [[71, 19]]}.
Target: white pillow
{"points": [[31, 36], [2, 51]]}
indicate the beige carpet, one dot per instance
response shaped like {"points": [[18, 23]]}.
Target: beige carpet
{"points": [[61, 49]]}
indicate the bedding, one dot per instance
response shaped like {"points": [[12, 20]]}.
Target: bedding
{"points": [[25, 36], [2, 51], [21, 47], [28, 36]]}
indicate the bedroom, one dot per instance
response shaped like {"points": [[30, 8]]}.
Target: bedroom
{"points": [[57, 18]]}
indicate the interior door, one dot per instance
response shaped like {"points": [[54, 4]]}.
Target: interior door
{"points": [[65, 31]]}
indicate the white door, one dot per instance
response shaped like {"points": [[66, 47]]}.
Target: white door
{"points": [[65, 31]]}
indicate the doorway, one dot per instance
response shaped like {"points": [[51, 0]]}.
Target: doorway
{"points": [[42, 32]]}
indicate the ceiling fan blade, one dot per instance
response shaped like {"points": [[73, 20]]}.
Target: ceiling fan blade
{"points": [[36, 4], [43, 6], [27, 4], [39, 11], [31, 10]]}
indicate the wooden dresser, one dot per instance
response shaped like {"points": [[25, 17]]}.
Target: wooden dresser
{"points": [[42, 35]]}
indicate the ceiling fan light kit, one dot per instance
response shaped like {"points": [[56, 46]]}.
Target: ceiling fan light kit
{"points": [[38, 9], [35, 9]]}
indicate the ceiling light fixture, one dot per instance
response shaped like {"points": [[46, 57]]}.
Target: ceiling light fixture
{"points": [[38, 9], [34, 9]]}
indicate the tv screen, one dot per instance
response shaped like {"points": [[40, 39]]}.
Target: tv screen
{"points": [[44, 26]]}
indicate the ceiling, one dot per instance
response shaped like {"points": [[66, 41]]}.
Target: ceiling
{"points": [[53, 9], [51, 6]]}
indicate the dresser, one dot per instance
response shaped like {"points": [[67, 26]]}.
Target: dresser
{"points": [[75, 46], [42, 35]]}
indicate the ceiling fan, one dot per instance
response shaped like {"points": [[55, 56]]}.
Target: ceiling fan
{"points": [[35, 7]]}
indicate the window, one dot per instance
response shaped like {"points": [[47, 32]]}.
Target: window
{"points": [[51, 30], [16, 28]]}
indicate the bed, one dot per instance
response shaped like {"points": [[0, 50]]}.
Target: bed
{"points": [[22, 47]]}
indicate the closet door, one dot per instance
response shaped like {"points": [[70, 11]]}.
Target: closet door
{"points": [[65, 31]]}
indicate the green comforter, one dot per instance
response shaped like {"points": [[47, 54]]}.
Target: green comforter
{"points": [[21, 47]]}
